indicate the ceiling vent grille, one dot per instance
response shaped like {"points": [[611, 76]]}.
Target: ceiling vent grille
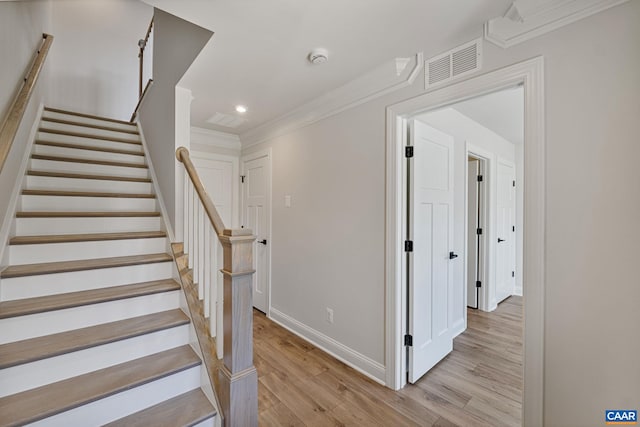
{"points": [[227, 120], [455, 63]]}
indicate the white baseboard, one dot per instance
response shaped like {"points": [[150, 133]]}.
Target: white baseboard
{"points": [[458, 328], [518, 291], [7, 222], [357, 361]]}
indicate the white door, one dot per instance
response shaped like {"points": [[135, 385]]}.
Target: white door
{"points": [[431, 230], [473, 239], [217, 177], [256, 177], [505, 252]]}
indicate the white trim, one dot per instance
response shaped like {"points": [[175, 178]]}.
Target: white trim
{"points": [[268, 153], [372, 85], [216, 139], [530, 75], [20, 179], [550, 16], [511, 164], [347, 355], [156, 188]]}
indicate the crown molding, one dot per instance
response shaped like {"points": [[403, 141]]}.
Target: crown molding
{"points": [[214, 138], [535, 21], [389, 77]]}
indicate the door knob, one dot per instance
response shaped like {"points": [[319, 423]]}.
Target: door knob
{"points": [[500, 240], [453, 255], [264, 242]]}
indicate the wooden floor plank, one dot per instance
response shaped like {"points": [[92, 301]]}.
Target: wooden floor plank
{"points": [[89, 136], [478, 384], [43, 304], [187, 409], [88, 161], [86, 264], [55, 214], [95, 237], [59, 193], [86, 176], [25, 351], [89, 148], [36, 404]]}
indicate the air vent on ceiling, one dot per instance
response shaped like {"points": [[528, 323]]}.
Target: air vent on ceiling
{"points": [[226, 120], [450, 65]]}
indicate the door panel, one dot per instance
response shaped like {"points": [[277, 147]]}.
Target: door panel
{"points": [[505, 252], [472, 236], [255, 216], [431, 230]]}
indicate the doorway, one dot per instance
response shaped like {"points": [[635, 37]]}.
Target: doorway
{"points": [[528, 73], [476, 205]]}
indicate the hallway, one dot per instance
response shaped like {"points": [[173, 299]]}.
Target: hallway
{"points": [[479, 383]]}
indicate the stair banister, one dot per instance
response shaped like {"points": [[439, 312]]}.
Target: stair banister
{"points": [[12, 121], [237, 381]]}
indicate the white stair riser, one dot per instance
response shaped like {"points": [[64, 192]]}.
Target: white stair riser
{"points": [[89, 130], [96, 143], [54, 252], [59, 283], [49, 226], [88, 168], [52, 322], [79, 184], [127, 402], [35, 374], [36, 203], [77, 153], [78, 119], [210, 422], [86, 140]]}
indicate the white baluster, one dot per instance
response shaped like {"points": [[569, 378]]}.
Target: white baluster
{"points": [[190, 220], [220, 301], [185, 211], [213, 276], [206, 266]]}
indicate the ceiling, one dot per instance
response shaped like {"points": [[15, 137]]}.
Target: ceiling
{"points": [[257, 56], [502, 112]]}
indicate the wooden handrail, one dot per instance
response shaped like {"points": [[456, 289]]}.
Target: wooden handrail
{"points": [[142, 44], [182, 154], [237, 380], [16, 111], [144, 93]]}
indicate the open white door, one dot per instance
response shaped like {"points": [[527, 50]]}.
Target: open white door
{"points": [[431, 261], [506, 216], [473, 239], [256, 183]]}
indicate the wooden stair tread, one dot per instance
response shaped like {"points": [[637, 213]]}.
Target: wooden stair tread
{"points": [[49, 214], [88, 116], [87, 125], [86, 176], [42, 402], [89, 148], [68, 238], [80, 265], [30, 350], [89, 161], [185, 410], [87, 194], [22, 307], [88, 136]]}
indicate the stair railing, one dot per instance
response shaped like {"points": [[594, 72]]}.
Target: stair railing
{"points": [[203, 233], [142, 44], [16, 111]]}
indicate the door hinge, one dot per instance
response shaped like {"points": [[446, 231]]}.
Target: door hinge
{"points": [[513, 274], [408, 340], [514, 183], [478, 231], [242, 177], [408, 245], [480, 178], [408, 151], [478, 284]]}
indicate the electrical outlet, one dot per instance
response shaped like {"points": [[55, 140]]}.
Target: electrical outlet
{"points": [[329, 315]]}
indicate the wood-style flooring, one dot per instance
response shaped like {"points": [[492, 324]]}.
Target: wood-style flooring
{"points": [[478, 384]]}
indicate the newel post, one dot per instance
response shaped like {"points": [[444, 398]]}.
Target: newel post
{"points": [[238, 377]]}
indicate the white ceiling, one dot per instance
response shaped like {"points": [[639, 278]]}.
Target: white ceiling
{"points": [[502, 112], [257, 56]]}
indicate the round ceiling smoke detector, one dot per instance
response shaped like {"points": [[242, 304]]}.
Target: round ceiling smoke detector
{"points": [[318, 56]]}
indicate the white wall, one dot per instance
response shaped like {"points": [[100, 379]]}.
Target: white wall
{"points": [[328, 249], [21, 28], [466, 131], [95, 56]]}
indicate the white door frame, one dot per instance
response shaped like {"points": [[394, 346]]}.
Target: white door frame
{"points": [[530, 74], [487, 159], [248, 157]]}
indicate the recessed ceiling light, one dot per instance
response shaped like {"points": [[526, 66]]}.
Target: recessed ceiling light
{"points": [[241, 109]]}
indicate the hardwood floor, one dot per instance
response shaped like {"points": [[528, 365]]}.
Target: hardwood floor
{"points": [[478, 384]]}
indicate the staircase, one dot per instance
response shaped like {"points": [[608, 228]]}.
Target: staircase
{"points": [[91, 326]]}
